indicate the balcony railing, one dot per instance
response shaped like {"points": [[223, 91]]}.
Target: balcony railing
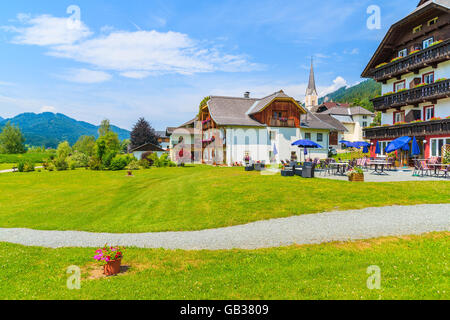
{"points": [[434, 91], [435, 127], [413, 63], [289, 123]]}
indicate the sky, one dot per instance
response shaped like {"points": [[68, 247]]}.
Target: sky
{"points": [[158, 59]]}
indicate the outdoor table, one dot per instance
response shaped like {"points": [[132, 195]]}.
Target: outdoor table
{"points": [[379, 164], [436, 166], [340, 167]]}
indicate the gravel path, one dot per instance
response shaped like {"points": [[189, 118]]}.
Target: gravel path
{"points": [[307, 229]]}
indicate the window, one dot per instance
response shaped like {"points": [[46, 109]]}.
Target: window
{"points": [[428, 113], [428, 78], [383, 146], [364, 117], [417, 29], [319, 137], [399, 85], [432, 21], [403, 53], [436, 146], [308, 136], [427, 42], [364, 124], [399, 116]]}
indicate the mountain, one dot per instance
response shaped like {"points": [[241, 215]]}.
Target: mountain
{"points": [[359, 94], [49, 129], [1, 119]]}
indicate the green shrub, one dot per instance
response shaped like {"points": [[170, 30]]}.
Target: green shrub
{"points": [[144, 163], [60, 164], [134, 165], [118, 163], [108, 158], [51, 167], [25, 166], [81, 160], [95, 164]]}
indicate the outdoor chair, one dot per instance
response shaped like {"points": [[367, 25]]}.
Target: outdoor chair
{"points": [[445, 172], [416, 170], [424, 168]]}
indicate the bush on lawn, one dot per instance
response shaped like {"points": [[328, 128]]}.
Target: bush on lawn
{"points": [[25, 166], [60, 164], [79, 159], [95, 164], [118, 163], [134, 165]]}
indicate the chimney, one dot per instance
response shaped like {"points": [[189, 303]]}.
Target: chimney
{"points": [[247, 95]]}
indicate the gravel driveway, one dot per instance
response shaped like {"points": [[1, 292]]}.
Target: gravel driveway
{"points": [[307, 229]]}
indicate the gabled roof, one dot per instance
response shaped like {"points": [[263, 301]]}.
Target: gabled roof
{"points": [[263, 103], [352, 111], [232, 111], [237, 111], [423, 7], [147, 147], [329, 105], [321, 121]]}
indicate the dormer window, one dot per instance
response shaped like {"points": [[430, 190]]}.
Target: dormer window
{"points": [[403, 53], [417, 29], [432, 21], [428, 42]]}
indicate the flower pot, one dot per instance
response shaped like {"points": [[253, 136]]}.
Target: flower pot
{"points": [[356, 177], [112, 268]]}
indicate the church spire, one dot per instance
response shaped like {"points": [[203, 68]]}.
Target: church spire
{"points": [[312, 81], [312, 98]]}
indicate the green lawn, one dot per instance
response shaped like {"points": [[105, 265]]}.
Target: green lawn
{"points": [[415, 267], [6, 166], [37, 157], [191, 198]]}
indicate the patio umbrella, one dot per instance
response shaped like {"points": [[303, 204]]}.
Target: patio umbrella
{"points": [[400, 143], [378, 148], [415, 147], [307, 144]]}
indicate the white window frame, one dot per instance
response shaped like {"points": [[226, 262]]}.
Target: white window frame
{"points": [[403, 53], [306, 135], [426, 116], [426, 43], [383, 146], [435, 150]]}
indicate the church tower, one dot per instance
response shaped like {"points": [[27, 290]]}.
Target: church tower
{"points": [[312, 98]]}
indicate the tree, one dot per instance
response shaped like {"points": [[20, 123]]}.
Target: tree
{"points": [[107, 145], [143, 133], [86, 145], [104, 128], [12, 140], [64, 150]]}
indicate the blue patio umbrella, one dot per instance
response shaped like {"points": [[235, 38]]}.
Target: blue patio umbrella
{"points": [[378, 148], [415, 147], [400, 143], [307, 144]]}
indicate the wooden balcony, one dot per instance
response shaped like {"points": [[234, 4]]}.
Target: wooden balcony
{"points": [[289, 123], [413, 63], [428, 93], [418, 129]]}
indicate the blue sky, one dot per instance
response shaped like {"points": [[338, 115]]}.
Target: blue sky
{"points": [[158, 59]]}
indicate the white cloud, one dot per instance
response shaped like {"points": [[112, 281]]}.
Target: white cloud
{"points": [[86, 76], [338, 83], [135, 74], [48, 109], [46, 30], [136, 54]]}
